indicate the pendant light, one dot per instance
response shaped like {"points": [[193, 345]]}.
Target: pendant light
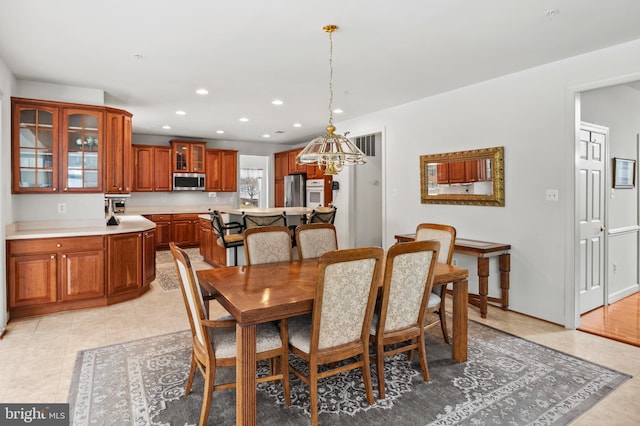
{"points": [[331, 152]]}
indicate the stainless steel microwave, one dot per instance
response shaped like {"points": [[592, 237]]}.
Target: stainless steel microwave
{"points": [[188, 181]]}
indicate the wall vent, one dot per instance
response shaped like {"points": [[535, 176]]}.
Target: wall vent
{"points": [[366, 144]]}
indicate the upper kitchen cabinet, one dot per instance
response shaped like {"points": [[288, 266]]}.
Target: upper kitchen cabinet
{"points": [[222, 170], [152, 168], [118, 170], [61, 147], [35, 148], [188, 156]]}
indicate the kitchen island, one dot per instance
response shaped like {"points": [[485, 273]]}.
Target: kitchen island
{"points": [[58, 266]]}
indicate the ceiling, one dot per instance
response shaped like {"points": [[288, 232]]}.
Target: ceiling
{"points": [[149, 57]]}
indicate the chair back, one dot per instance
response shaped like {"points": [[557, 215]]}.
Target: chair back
{"points": [[407, 285], [202, 345], [267, 244], [254, 221], [217, 223], [315, 239], [444, 234], [346, 292], [323, 216]]}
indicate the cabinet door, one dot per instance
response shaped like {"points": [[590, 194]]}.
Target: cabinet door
{"points": [[118, 153], [184, 231], [35, 148], [180, 156], [197, 158], [229, 171], [471, 171], [213, 160], [161, 168], [293, 166], [149, 256], [278, 197], [124, 271], [81, 150], [32, 280], [456, 172], [143, 167], [281, 165], [81, 275], [443, 173]]}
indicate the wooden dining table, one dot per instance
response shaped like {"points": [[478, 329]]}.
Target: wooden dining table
{"points": [[257, 294]]}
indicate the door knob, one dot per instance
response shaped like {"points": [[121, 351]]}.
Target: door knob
{"points": [[603, 228]]}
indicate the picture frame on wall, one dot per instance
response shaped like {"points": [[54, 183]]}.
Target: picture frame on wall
{"points": [[624, 173]]}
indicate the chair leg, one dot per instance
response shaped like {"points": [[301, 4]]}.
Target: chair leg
{"points": [[443, 319], [235, 256], [192, 373], [284, 368], [422, 354], [313, 393], [209, 381], [366, 376], [380, 368]]}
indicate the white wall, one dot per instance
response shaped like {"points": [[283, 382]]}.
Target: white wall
{"points": [[531, 114], [7, 89], [618, 108], [60, 93]]}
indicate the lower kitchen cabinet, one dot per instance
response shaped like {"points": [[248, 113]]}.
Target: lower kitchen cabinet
{"points": [[209, 248], [47, 275], [181, 228]]}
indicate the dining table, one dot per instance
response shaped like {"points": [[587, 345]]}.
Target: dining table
{"points": [[256, 294]]}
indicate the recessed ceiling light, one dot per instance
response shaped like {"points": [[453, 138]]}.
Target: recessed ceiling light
{"points": [[297, 125], [202, 92], [219, 132], [338, 111], [166, 127], [244, 119], [180, 112], [552, 12], [277, 102], [138, 56], [266, 136]]}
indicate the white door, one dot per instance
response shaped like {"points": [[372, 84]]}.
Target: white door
{"points": [[591, 198]]}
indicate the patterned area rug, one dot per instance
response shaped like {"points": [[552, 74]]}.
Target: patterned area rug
{"points": [[507, 380], [166, 274]]}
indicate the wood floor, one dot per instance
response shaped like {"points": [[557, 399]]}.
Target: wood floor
{"points": [[619, 321]]}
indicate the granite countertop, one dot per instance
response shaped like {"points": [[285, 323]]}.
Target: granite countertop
{"points": [[76, 228]]}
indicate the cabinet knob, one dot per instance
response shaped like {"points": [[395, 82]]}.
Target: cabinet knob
{"points": [[58, 245], [54, 189], [64, 256], [120, 189], [53, 256], [66, 189]]}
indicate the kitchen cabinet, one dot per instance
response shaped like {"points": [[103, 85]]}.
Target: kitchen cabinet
{"points": [[152, 168], [118, 170], [64, 147], [51, 271], [457, 172], [293, 166], [468, 171], [148, 256], [124, 271], [180, 228], [209, 248], [285, 164], [188, 156], [221, 167]]}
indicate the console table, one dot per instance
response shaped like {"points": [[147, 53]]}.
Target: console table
{"points": [[482, 250]]}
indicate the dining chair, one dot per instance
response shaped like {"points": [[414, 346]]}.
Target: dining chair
{"points": [[398, 325], [338, 328], [214, 342], [446, 236], [267, 244], [323, 215], [315, 239], [253, 221], [224, 238]]}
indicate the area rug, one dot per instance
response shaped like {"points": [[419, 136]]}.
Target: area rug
{"points": [[506, 380], [166, 273]]}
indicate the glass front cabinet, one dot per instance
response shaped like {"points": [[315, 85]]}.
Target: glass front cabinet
{"points": [[58, 147]]}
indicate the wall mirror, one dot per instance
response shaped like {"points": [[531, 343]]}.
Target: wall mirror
{"points": [[473, 177]]}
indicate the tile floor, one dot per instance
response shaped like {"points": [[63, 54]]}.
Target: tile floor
{"points": [[38, 354]]}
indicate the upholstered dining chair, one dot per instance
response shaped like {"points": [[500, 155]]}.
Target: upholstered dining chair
{"points": [[315, 239], [406, 288], [253, 221], [224, 238], [338, 328], [446, 236], [323, 215], [214, 342], [267, 244]]}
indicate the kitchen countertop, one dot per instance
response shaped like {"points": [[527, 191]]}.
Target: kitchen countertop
{"points": [[174, 209], [76, 228], [290, 211]]}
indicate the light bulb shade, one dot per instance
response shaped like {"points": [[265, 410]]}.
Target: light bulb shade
{"points": [[331, 152]]}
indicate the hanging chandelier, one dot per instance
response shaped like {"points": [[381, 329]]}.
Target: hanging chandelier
{"points": [[331, 152]]}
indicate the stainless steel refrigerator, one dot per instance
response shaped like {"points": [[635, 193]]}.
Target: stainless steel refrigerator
{"points": [[295, 191]]}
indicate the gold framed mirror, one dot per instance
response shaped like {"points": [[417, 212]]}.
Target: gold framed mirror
{"points": [[474, 177]]}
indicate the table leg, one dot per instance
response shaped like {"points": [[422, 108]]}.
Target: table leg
{"points": [[460, 320], [505, 268], [483, 284], [246, 375]]}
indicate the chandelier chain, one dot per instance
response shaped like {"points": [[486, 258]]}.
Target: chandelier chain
{"points": [[331, 77]]}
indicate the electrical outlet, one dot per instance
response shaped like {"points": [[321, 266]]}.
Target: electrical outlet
{"points": [[454, 261], [213, 195], [163, 200], [552, 195], [62, 207]]}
